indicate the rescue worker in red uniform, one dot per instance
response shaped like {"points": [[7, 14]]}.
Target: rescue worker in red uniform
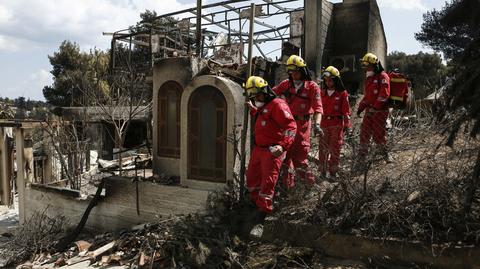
{"points": [[336, 118], [274, 134], [375, 105], [304, 99]]}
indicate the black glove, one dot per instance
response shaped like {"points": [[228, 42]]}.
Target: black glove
{"points": [[317, 130]]}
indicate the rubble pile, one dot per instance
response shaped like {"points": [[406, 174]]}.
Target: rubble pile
{"points": [[211, 240]]}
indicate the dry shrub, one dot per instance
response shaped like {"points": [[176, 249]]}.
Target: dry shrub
{"points": [[39, 233], [420, 196]]}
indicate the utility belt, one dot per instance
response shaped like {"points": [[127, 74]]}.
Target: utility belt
{"points": [[333, 117], [303, 117]]}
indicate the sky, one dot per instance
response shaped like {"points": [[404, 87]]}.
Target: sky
{"points": [[30, 30]]}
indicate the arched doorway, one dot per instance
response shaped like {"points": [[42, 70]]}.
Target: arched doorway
{"points": [[168, 120], [207, 135]]}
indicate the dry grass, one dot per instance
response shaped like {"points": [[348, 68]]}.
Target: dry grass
{"points": [[38, 234], [418, 197]]}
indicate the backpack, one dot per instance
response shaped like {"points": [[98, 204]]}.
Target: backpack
{"points": [[399, 87]]}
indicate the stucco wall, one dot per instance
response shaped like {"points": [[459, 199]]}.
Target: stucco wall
{"points": [[235, 107], [180, 70], [117, 210]]}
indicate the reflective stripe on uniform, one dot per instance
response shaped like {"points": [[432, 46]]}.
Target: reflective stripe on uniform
{"points": [[396, 98], [266, 196], [253, 189], [398, 80]]}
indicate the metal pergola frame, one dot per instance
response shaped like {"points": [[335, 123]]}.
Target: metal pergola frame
{"points": [[215, 18]]}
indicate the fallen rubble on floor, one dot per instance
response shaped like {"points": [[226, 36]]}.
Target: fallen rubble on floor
{"points": [[193, 241]]}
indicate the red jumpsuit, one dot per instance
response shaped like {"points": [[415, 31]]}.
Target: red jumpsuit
{"points": [[274, 126], [335, 119], [374, 102], [303, 105]]}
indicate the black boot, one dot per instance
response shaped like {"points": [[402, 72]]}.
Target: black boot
{"points": [[257, 230]]}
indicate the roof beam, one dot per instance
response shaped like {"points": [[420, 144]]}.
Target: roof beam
{"points": [[219, 24], [275, 5], [195, 8], [256, 21]]}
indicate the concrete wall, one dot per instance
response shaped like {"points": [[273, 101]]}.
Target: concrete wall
{"points": [[180, 70], [355, 28], [377, 41], [233, 94], [6, 166], [317, 19], [348, 36], [117, 210], [354, 247], [327, 14]]}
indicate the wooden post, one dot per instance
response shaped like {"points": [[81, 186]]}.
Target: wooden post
{"points": [[20, 146], [199, 27], [5, 167], [246, 112]]}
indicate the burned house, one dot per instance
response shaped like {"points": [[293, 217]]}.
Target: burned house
{"points": [[196, 67], [97, 125], [194, 114]]}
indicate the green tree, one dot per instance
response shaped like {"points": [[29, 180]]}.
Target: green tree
{"points": [[21, 105], [451, 29], [455, 31], [425, 70], [74, 70]]}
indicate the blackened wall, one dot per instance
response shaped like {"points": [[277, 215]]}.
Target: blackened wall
{"points": [[355, 28]]}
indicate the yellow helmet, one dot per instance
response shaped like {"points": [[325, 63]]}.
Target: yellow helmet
{"points": [[331, 71], [255, 85], [295, 62], [369, 59]]}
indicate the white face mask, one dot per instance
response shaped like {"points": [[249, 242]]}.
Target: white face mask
{"points": [[259, 103], [298, 84], [370, 73]]}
